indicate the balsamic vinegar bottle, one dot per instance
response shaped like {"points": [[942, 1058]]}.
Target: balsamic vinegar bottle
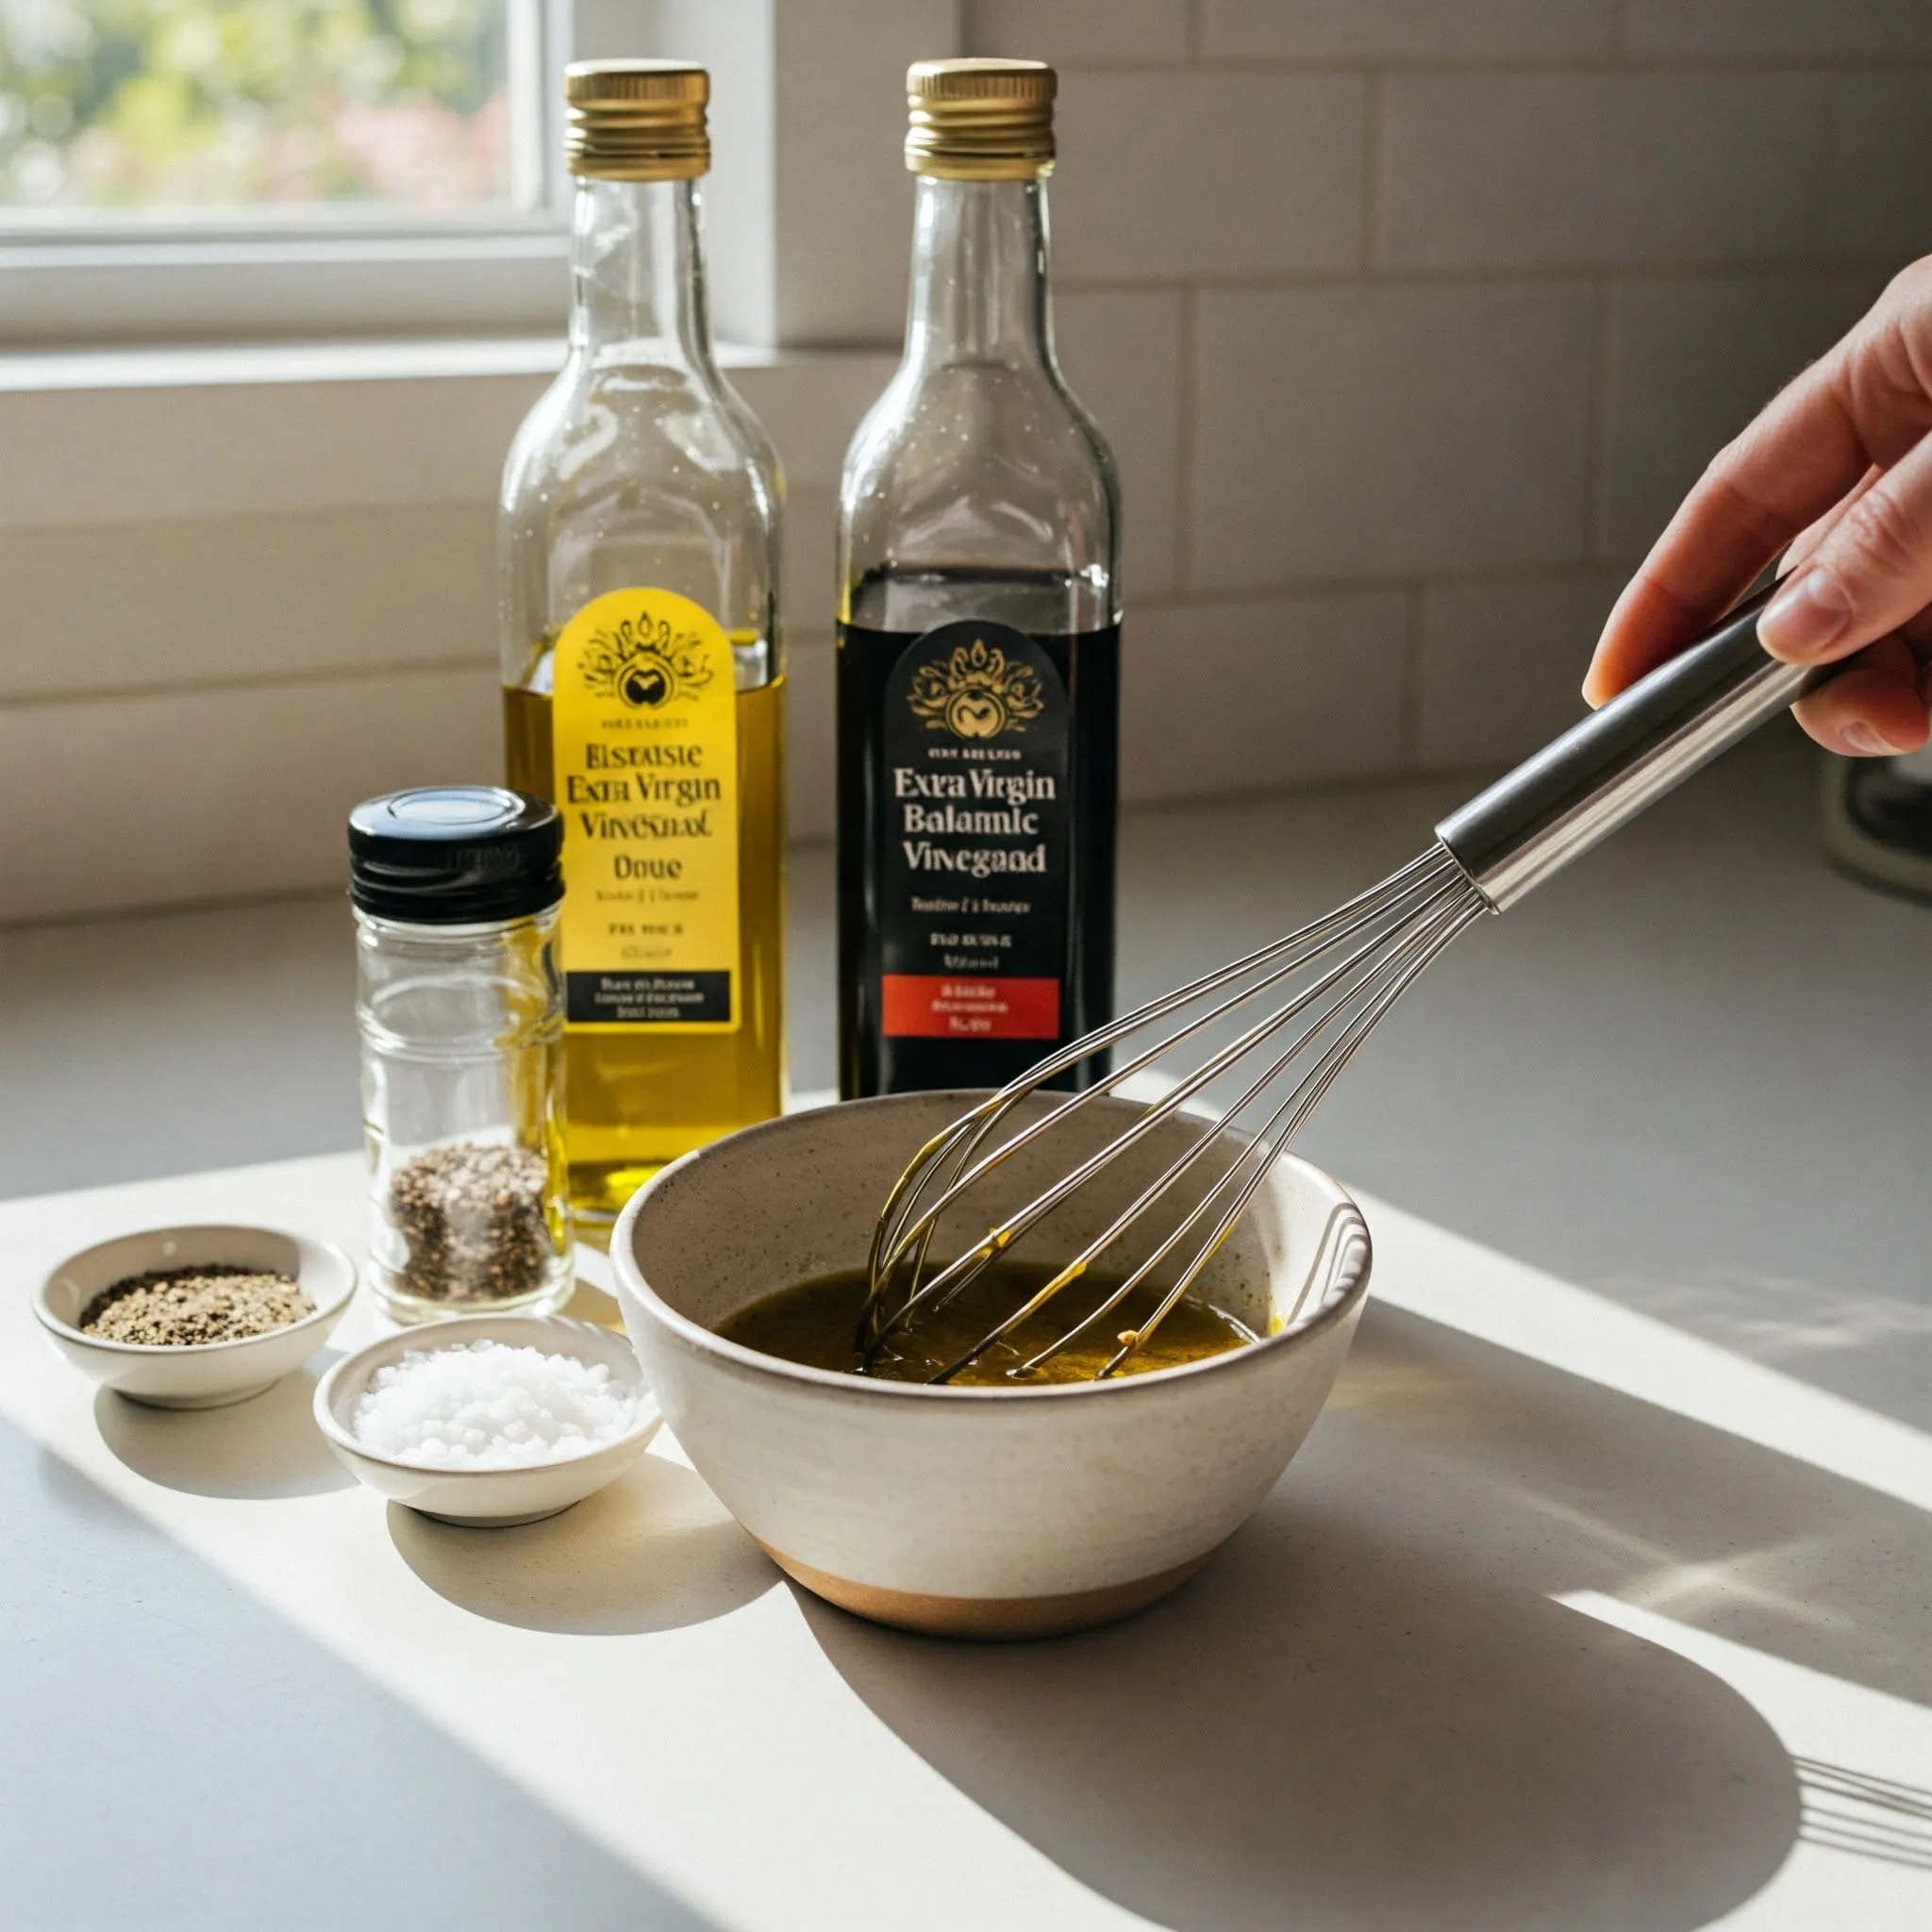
{"points": [[978, 662], [642, 667]]}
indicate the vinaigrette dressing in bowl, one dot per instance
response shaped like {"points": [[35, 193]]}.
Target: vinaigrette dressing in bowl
{"points": [[1006, 1510], [817, 1322]]}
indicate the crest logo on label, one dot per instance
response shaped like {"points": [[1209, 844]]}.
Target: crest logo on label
{"points": [[977, 693], [644, 664]]}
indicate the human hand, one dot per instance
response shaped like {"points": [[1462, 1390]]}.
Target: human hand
{"points": [[1838, 467]]}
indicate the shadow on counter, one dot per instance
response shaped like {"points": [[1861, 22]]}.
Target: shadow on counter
{"points": [[655, 1551], [1368, 1713], [257, 1450]]}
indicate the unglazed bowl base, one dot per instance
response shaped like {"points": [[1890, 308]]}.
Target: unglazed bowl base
{"points": [[1001, 1617]]}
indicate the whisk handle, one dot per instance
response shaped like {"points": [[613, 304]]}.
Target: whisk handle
{"points": [[1596, 778]]}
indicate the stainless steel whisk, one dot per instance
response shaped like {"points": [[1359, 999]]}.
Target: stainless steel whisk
{"points": [[1336, 978]]}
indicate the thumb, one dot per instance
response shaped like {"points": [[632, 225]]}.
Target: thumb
{"points": [[1868, 572]]}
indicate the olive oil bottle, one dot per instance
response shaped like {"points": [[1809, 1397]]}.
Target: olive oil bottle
{"points": [[642, 667], [978, 658]]}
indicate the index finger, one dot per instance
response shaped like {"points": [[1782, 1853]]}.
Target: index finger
{"points": [[1785, 470]]}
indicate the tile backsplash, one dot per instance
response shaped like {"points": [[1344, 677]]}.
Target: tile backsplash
{"points": [[1443, 305]]}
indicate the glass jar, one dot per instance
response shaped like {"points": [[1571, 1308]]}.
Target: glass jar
{"points": [[460, 1008]]}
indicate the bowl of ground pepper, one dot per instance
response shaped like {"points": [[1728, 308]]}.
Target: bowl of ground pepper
{"points": [[195, 1317]]}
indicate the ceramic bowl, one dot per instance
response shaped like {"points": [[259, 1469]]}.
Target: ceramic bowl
{"points": [[486, 1498], [1007, 1511], [205, 1374]]}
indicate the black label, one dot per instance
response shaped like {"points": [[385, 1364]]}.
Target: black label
{"points": [[976, 803], [973, 839], [623, 998]]}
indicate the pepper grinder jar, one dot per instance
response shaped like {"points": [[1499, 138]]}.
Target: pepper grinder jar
{"points": [[460, 1008]]}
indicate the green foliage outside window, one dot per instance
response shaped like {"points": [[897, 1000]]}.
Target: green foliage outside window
{"points": [[210, 103]]}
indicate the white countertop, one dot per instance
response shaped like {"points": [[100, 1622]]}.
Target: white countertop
{"points": [[1563, 1619]]}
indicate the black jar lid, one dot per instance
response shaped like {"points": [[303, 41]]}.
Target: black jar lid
{"points": [[455, 854]]}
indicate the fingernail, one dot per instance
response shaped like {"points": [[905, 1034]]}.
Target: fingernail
{"points": [[1865, 742], [1806, 617]]}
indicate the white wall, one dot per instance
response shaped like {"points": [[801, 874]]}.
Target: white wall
{"points": [[1409, 319], [241, 591]]}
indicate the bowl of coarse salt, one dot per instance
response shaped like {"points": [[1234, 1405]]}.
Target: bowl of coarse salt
{"points": [[489, 1420]]}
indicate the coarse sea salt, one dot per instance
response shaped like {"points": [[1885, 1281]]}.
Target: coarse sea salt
{"points": [[485, 1405]]}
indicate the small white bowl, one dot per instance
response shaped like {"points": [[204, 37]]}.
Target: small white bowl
{"points": [[486, 1498], [202, 1375]]}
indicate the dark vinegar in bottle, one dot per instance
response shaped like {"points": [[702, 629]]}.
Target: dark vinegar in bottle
{"points": [[978, 664]]}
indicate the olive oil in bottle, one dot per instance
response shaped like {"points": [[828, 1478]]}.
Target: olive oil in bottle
{"points": [[979, 634], [643, 675]]}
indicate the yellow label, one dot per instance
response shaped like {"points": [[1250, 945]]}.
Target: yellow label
{"points": [[644, 730]]}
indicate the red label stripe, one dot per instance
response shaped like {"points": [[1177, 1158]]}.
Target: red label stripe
{"points": [[957, 1007]]}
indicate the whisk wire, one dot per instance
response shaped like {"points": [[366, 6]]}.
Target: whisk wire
{"points": [[1368, 962], [891, 1237], [1273, 1137], [952, 1279], [1395, 922], [900, 1238]]}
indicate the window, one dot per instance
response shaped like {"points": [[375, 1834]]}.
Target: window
{"points": [[153, 112], [245, 170], [172, 168]]}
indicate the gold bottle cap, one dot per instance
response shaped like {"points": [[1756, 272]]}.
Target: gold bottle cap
{"points": [[980, 119], [636, 119]]}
